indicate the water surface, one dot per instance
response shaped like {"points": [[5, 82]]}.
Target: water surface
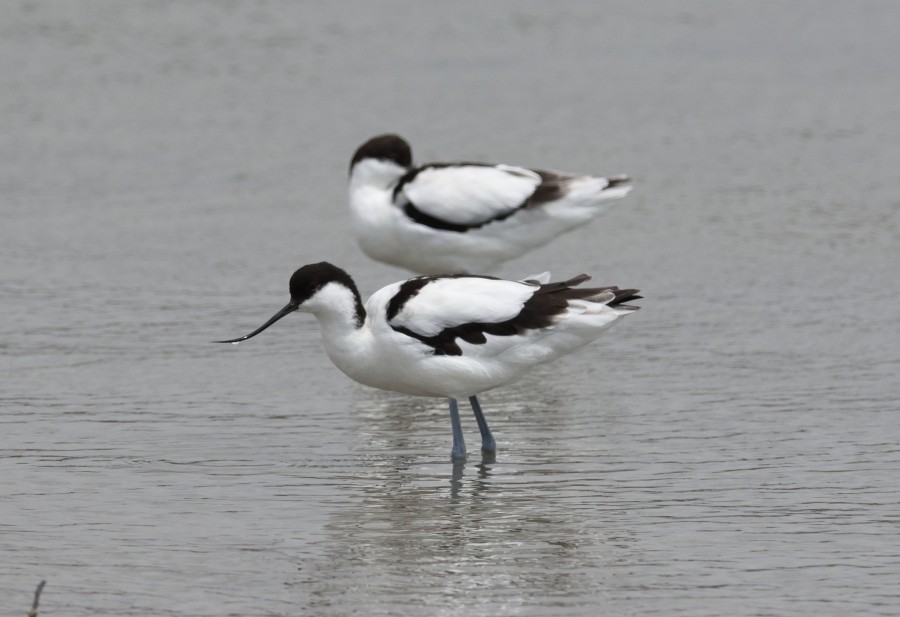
{"points": [[730, 449]]}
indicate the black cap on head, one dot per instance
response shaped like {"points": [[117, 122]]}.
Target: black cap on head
{"points": [[389, 147], [309, 279], [305, 282]]}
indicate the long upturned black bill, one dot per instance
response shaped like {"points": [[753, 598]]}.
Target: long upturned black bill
{"points": [[290, 308]]}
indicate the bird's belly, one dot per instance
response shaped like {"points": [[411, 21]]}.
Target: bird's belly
{"points": [[427, 375]]}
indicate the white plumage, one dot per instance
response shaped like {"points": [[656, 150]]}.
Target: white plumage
{"points": [[450, 302], [453, 335], [470, 194], [463, 217]]}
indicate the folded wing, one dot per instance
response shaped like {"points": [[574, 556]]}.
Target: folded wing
{"points": [[465, 196], [442, 311], [428, 306]]}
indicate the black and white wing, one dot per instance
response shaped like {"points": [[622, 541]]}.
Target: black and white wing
{"points": [[444, 311], [463, 196]]}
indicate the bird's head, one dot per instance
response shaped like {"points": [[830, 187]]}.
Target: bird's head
{"points": [[317, 288], [382, 160]]}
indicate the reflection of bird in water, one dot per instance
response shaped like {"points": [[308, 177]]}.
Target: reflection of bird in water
{"points": [[463, 217], [452, 335], [481, 481]]}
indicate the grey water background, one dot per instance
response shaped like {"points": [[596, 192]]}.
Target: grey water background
{"points": [[733, 448]]}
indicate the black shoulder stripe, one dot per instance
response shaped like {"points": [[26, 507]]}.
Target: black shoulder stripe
{"points": [[410, 289], [552, 186], [407, 290], [412, 173], [443, 345], [435, 223]]}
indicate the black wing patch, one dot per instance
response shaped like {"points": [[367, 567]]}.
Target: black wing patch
{"points": [[435, 223]]}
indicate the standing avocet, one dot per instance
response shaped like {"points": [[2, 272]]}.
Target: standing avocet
{"points": [[450, 336], [463, 217]]}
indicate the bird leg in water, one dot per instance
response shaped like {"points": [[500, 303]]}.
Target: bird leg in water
{"points": [[487, 440], [459, 444]]}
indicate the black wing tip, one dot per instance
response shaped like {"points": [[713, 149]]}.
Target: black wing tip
{"points": [[625, 295], [577, 280], [619, 180]]}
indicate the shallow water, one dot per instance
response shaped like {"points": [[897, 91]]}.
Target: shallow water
{"points": [[733, 448]]}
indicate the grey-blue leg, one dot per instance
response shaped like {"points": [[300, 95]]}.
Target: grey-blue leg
{"points": [[459, 444], [487, 440]]}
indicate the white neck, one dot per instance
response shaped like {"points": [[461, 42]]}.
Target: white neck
{"points": [[375, 173], [335, 306], [349, 344]]}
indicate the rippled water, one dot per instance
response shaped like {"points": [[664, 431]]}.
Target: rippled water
{"points": [[733, 448]]}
